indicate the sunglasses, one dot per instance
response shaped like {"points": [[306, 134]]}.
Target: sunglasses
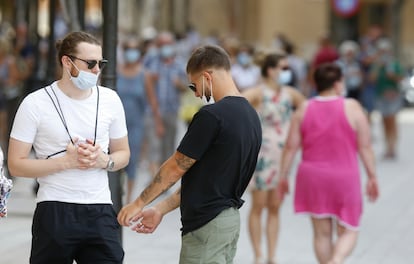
{"points": [[192, 87], [91, 63]]}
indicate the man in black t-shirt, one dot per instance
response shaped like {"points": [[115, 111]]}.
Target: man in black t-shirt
{"points": [[215, 159]]}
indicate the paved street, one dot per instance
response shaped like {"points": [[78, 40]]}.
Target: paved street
{"points": [[386, 237]]}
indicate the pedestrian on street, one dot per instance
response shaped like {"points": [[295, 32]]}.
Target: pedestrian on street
{"points": [[132, 84], [274, 100], [331, 131], [78, 132], [387, 74], [215, 159]]}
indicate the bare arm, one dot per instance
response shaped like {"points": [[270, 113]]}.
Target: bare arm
{"points": [[171, 203], [364, 146], [170, 172], [254, 96], [149, 219], [361, 125], [119, 152], [21, 165], [297, 97], [150, 80], [150, 91], [85, 156], [292, 145], [92, 156]]}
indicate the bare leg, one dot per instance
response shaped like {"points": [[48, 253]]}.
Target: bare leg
{"points": [[390, 133], [255, 225], [393, 134], [322, 239], [344, 244], [272, 226]]}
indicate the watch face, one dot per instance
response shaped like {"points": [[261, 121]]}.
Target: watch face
{"points": [[111, 164]]}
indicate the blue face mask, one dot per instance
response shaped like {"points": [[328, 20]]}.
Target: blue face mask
{"points": [[285, 77], [132, 55], [84, 80], [167, 51], [243, 59]]}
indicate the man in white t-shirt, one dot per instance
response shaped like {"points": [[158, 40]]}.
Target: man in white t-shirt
{"points": [[78, 132]]}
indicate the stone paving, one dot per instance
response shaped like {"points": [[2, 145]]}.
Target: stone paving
{"points": [[386, 237]]}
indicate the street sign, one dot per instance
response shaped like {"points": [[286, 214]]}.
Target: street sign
{"points": [[345, 8]]}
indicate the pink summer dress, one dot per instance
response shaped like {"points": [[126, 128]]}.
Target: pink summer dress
{"points": [[328, 180]]}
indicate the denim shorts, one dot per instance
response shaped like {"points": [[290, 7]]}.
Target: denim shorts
{"points": [[389, 106]]}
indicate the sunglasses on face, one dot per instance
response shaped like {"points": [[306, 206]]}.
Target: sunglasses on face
{"points": [[192, 87], [91, 63]]}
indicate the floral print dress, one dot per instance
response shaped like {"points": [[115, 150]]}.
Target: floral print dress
{"points": [[275, 112]]}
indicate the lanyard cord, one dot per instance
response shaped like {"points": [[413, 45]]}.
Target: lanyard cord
{"points": [[97, 111], [62, 117], [60, 113]]}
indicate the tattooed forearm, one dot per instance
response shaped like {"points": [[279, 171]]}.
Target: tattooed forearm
{"points": [[168, 187], [157, 177], [184, 162], [166, 177], [174, 200], [146, 194]]}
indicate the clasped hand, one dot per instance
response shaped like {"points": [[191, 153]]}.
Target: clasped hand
{"points": [[85, 154]]}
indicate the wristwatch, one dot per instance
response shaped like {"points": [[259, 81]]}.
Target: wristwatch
{"points": [[110, 165]]}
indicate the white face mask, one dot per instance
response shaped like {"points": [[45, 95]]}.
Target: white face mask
{"points": [[285, 77], [84, 80], [210, 99]]}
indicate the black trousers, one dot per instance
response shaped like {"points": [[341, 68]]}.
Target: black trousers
{"points": [[86, 233]]}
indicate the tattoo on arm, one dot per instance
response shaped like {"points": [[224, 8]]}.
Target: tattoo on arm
{"points": [[157, 177], [145, 195], [174, 200], [184, 162]]}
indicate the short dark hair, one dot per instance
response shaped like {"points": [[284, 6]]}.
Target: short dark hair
{"points": [[270, 61], [326, 75], [208, 56], [69, 44]]}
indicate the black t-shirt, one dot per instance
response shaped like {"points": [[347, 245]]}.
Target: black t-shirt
{"points": [[225, 139]]}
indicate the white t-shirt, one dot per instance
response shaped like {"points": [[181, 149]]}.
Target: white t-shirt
{"points": [[37, 122], [245, 77]]}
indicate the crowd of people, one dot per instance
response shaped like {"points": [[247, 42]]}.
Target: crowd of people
{"points": [[279, 93]]}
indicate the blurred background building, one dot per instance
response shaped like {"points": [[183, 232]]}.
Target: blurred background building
{"points": [[255, 21]]}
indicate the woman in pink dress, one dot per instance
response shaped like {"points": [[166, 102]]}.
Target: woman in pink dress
{"points": [[331, 131]]}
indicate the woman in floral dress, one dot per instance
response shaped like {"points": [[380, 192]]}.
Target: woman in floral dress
{"points": [[274, 101]]}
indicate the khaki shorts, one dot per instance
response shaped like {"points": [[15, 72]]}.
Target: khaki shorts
{"points": [[215, 242]]}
